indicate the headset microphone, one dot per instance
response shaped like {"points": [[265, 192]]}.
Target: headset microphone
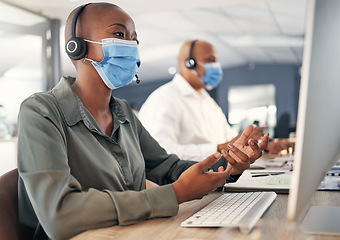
{"points": [[137, 79]]}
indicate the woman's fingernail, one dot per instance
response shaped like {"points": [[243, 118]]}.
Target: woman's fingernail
{"points": [[217, 155], [230, 146]]}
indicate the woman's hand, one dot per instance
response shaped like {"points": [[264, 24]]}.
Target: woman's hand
{"points": [[257, 133], [241, 155], [194, 183]]}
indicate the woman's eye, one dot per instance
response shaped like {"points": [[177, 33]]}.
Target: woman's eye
{"points": [[119, 34]]}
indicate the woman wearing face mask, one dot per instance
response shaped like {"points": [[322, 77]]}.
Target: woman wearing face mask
{"points": [[84, 156]]}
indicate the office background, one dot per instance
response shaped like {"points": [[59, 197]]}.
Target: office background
{"points": [[260, 45]]}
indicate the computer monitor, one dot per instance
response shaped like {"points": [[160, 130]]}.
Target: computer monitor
{"points": [[318, 123]]}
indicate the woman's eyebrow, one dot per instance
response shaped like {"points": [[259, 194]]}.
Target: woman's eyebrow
{"points": [[119, 24], [122, 25]]}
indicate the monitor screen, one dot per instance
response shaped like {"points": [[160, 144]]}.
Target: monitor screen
{"points": [[318, 124]]}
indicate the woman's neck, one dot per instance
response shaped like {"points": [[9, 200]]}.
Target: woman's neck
{"points": [[92, 91]]}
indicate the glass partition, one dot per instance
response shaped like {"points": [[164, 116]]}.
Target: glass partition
{"points": [[23, 56], [252, 105]]}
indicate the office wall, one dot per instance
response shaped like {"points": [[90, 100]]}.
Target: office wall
{"points": [[285, 78]]}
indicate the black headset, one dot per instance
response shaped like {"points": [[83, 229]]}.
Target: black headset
{"points": [[191, 62], [76, 47]]}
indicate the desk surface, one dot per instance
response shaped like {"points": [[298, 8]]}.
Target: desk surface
{"points": [[272, 225]]}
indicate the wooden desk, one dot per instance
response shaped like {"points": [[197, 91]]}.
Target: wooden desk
{"points": [[272, 225]]}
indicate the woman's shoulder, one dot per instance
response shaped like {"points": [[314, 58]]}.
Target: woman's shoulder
{"points": [[39, 99], [43, 103]]}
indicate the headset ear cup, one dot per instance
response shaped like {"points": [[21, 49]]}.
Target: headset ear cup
{"points": [[76, 48], [190, 63]]}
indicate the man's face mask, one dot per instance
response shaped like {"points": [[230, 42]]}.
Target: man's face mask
{"points": [[120, 63], [213, 75]]}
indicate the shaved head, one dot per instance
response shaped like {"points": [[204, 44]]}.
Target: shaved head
{"points": [[201, 49], [203, 52], [88, 19]]}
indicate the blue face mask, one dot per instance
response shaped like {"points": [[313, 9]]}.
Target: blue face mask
{"points": [[213, 75], [120, 63]]}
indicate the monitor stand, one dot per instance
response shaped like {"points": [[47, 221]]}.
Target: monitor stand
{"points": [[324, 220]]}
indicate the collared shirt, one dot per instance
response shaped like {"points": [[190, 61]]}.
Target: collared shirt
{"points": [[185, 122], [74, 178]]}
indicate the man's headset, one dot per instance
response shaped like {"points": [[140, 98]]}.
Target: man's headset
{"points": [[76, 47], [191, 62]]}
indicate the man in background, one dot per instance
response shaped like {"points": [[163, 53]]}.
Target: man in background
{"points": [[183, 117]]}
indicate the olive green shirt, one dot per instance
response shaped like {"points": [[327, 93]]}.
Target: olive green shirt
{"points": [[72, 177]]}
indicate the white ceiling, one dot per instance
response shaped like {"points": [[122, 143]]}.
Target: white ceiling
{"points": [[243, 31]]}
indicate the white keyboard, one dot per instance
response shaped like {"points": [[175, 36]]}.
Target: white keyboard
{"points": [[241, 210]]}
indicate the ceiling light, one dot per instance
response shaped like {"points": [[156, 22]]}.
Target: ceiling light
{"points": [[172, 70], [262, 40]]}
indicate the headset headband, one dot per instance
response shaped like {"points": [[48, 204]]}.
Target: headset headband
{"points": [[76, 47], [191, 62], [192, 48], [75, 19]]}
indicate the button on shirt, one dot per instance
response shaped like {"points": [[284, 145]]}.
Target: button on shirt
{"points": [[74, 178], [185, 122]]}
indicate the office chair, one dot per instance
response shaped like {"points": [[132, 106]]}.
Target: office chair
{"points": [[10, 228]]}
